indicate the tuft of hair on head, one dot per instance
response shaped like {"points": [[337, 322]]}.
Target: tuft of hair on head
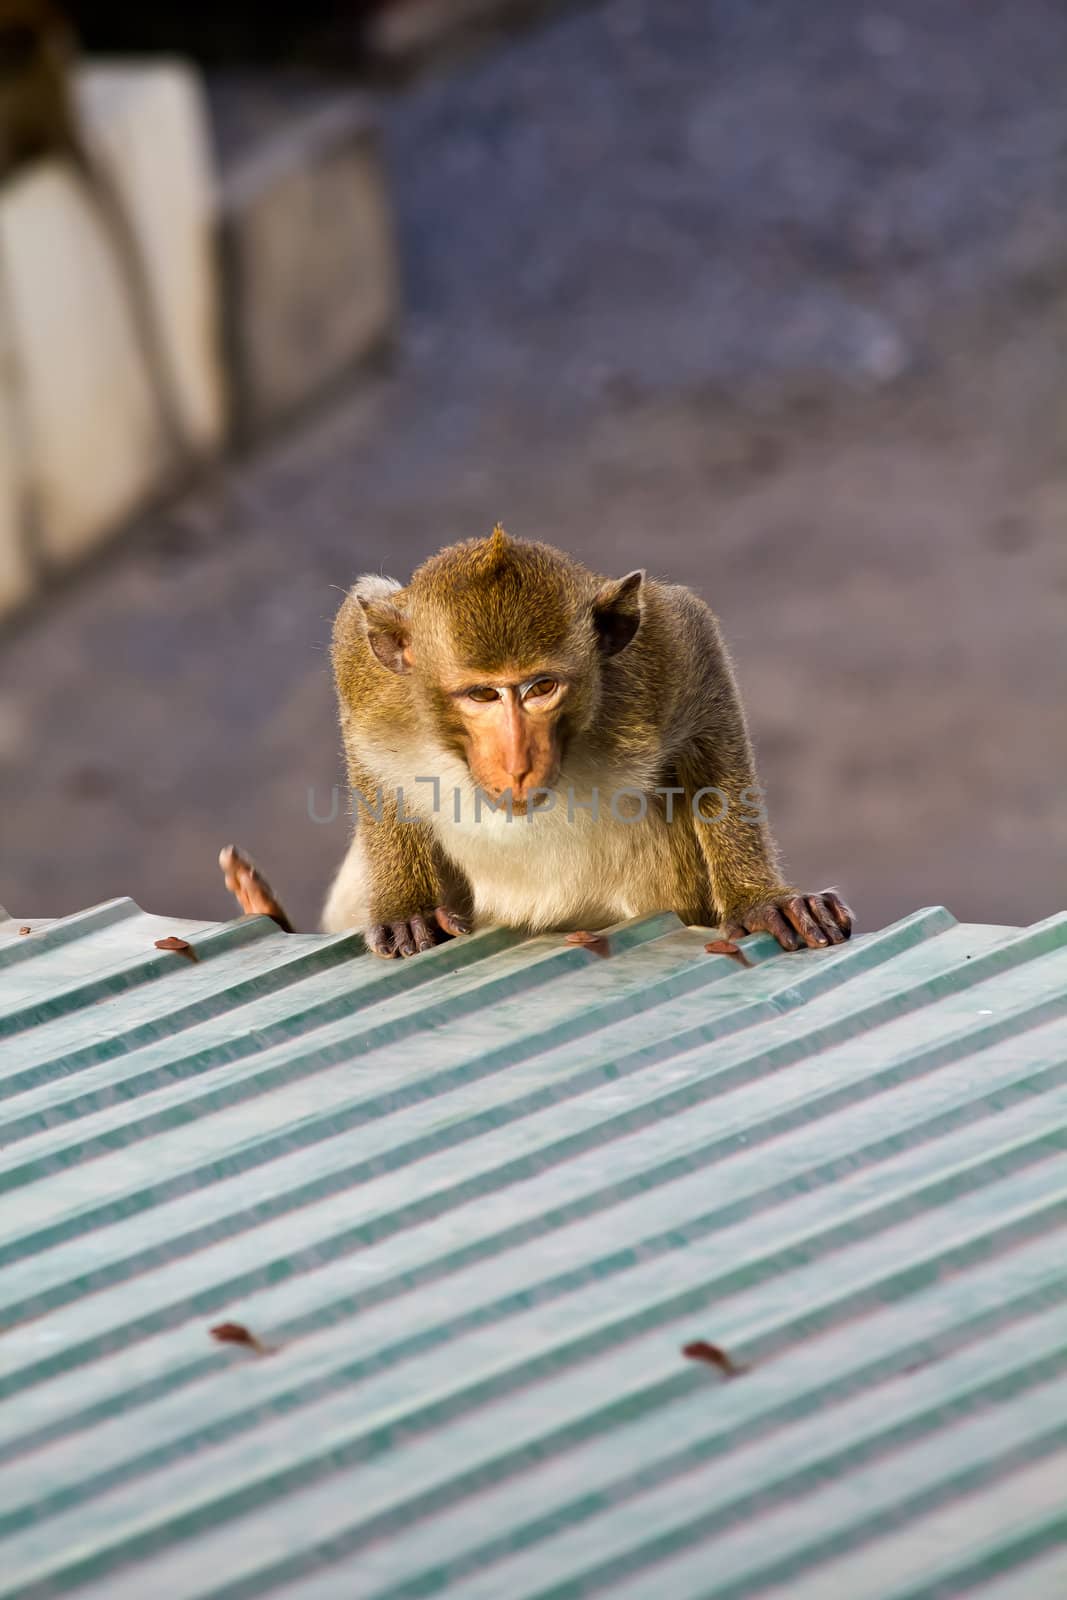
{"points": [[491, 555], [499, 601]]}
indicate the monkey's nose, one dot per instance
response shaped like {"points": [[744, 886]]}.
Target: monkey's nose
{"points": [[519, 772]]}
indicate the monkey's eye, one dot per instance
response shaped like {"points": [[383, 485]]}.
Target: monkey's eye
{"points": [[541, 689], [482, 694]]}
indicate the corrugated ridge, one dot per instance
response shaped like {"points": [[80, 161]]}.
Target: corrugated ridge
{"points": [[315, 1253], [1040, 1291], [793, 1479], [179, 1372], [760, 1347], [61, 930], [242, 1086], [480, 1186], [984, 1541], [13, 1311], [883, 1130], [1020, 1547], [367, 993], [179, 1244], [547, 965], [523, 1049], [122, 976], [334, 1456], [416, 1271], [296, 959], [1001, 1456], [174, 1015]]}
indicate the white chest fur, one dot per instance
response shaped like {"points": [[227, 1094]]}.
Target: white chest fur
{"points": [[592, 857]]}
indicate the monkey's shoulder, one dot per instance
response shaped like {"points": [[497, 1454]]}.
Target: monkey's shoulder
{"points": [[678, 643], [668, 686], [670, 607]]}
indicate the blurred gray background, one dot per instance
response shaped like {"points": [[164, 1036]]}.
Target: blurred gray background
{"points": [[770, 299]]}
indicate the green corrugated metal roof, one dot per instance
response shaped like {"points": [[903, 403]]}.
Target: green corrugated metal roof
{"points": [[478, 1201]]}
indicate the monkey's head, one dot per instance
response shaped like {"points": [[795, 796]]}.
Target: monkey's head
{"points": [[505, 642]]}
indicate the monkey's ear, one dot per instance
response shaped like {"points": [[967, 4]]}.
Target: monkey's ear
{"points": [[388, 633], [617, 612]]}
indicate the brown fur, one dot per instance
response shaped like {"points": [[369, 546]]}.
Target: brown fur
{"points": [[650, 702]]}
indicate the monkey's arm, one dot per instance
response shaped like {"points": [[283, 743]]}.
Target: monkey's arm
{"points": [[410, 896], [394, 884], [731, 825]]}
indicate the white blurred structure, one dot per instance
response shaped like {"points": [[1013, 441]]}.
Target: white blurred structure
{"points": [[264, 289], [83, 447]]}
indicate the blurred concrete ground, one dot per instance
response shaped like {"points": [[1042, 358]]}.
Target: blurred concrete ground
{"points": [[770, 299]]}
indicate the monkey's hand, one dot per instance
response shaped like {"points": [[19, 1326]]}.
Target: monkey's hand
{"points": [[796, 920], [421, 931]]}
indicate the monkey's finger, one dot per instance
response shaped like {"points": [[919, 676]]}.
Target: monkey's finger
{"points": [[452, 922], [405, 942], [422, 933], [825, 918], [842, 914], [796, 910], [769, 919], [780, 929], [380, 939]]}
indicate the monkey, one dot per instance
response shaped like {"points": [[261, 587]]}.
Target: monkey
{"points": [[38, 121], [532, 745]]}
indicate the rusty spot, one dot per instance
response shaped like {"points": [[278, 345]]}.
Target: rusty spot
{"points": [[25, 930], [181, 947], [237, 1333], [596, 942], [714, 1356]]}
